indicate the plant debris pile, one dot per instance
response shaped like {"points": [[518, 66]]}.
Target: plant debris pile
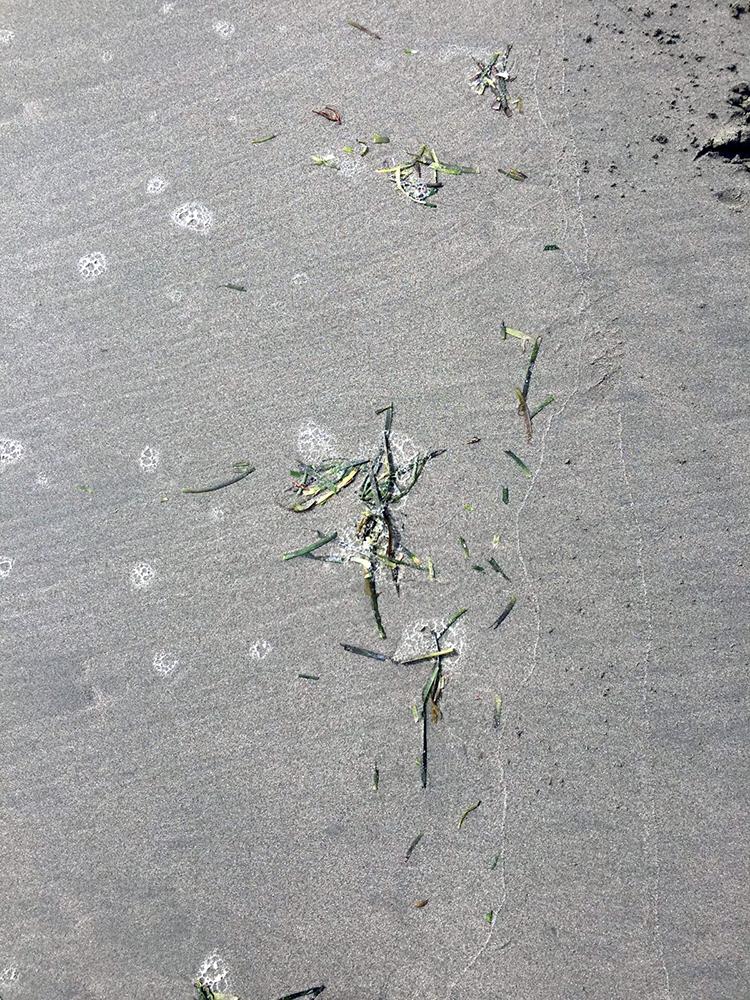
{"points": [[383, 486]]}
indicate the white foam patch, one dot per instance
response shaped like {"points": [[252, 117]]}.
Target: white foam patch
{"points": [[6, 36], [142, 575], [165, 662], [92, 265], [149, 459], [418, 639], [213, 973], [260, 650], [156, 185], [315, 443], [224, 28], [11, 452], [6, 567], [193, 216], [8, 974]]}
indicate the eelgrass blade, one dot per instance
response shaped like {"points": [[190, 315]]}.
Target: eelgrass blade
{"points": [[371, 653], [530, 369], [245, 471], [452, 621], [372, 592], [434, 654], [468, 812], [504, 613], [307, 549], [542, 406], [520, 463], [314, 991]]}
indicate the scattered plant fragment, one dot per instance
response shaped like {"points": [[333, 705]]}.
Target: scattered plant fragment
{"points": [[497, 713], [433, 689], [325, 161], [504, 613], [419, 904], [244, 469], [330, 113], [515, 175], [519, 462], [361, 27], [263, 138], [494, 75], [468, 812]]}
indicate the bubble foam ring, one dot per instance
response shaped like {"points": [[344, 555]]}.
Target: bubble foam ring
{"points": [[142, 576], [11, 452], [148, 459], [260, 650], [7, 36], [193, 216], [213, 973], [224, 28], [164, 663], [92, 265], [9, 974], [156, 185], [6, 567]]}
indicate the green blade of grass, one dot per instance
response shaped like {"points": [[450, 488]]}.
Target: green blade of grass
{"points": [[542, 406], [504, 613], [263, 138], [529, 371], [314, 991], [468, 812], [370, 653], [243, 474], [307, 549], [520, 463], [498, 568], [452, 621], [433, 654]]}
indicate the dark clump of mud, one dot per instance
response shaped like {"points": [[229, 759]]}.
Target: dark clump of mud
{"points": [[732, 140]]}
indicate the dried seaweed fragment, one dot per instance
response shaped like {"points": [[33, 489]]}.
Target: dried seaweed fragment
{"points": [[515, 175], [330, 113], [365, 30]]}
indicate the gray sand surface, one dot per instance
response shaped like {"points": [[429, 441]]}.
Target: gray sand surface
{"points": [[172, 790]]}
